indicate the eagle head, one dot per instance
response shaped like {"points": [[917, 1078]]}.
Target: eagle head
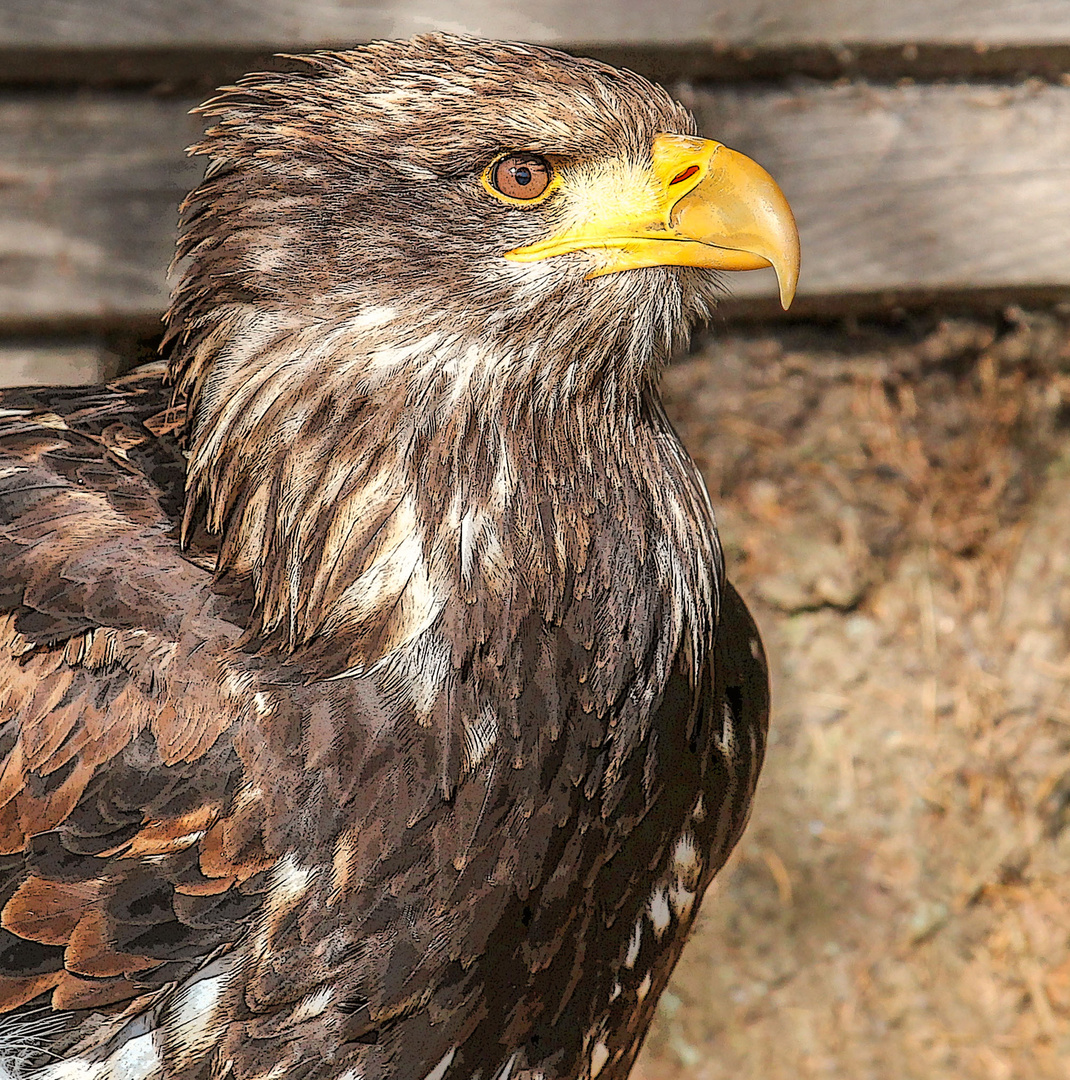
{"points": [[442, 233], [510, 193]]}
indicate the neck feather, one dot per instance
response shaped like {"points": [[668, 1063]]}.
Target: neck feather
{"points": [[361, 479]]}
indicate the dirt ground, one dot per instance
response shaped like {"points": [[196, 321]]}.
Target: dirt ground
{"points": [[896, 505]]}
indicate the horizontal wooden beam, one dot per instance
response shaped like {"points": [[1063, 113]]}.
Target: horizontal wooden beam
{"points": [[89, 194], [182, 70], [910, 189], [88, 24], [56, 363], [192, 45]]}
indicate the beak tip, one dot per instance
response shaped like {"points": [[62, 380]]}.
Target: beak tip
{"points": [[787, 270], [787, 294]]}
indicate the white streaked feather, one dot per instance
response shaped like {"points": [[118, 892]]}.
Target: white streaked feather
{"points": [[23, 1039], [439, 1071], [506, 1071]]}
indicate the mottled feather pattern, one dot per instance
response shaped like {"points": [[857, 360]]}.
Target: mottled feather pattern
{"points": [[372, 702]]}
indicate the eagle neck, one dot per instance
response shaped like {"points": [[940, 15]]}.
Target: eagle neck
{"points": [[363, 487]]}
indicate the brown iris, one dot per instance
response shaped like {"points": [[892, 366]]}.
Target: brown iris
{"points": [[522, 176]]}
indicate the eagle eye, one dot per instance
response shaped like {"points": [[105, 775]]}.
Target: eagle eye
{"points": [[521, 176]]}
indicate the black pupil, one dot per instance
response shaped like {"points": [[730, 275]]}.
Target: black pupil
{"points": [[522, 175]]}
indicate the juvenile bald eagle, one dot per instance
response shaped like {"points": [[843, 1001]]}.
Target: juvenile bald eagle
{"points": [[372, 700]]}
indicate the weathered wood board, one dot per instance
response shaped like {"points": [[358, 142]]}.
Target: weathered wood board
{"points": [[895, 189], [89, 194], [86, 24], [55, 363], [915, 187]]}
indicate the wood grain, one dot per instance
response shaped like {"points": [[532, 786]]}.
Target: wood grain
{"points": [[916, 187], [901, 189], [55, 363], [89, 194], [87, 24]]}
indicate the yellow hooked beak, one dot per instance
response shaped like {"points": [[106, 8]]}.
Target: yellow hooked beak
{"points": [[701, 205]]}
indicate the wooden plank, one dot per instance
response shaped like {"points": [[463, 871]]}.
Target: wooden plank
{"points": [[914, 187], [787, 23], [89, 24], [188, 45], [64, 363], [89, 194], [257, 23], [900, 189]]}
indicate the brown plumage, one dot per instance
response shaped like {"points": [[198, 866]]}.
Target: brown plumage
{"points": [[372, 700]]}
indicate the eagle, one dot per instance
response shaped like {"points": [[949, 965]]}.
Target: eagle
{"points": [[373, 702]]}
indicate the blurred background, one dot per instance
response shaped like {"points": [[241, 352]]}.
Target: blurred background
{"points": [[890, 463]]}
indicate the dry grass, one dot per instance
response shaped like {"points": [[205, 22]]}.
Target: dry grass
{"points": [[898, 507]]}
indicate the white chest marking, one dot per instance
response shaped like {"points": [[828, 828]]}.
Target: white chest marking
{"points": [[659, 912], [634, 944], [599, 1057]]}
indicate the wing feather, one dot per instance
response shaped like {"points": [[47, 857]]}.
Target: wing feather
{"points": [[115, 708]]}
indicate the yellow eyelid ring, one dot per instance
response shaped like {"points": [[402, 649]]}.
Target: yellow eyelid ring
{"points": [[702, 204], [487, 179]]}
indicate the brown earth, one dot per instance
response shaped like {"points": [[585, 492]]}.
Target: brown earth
{"points": [[896, 505]]}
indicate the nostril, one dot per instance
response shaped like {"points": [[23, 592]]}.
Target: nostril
{"points": [[680, 177]]}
